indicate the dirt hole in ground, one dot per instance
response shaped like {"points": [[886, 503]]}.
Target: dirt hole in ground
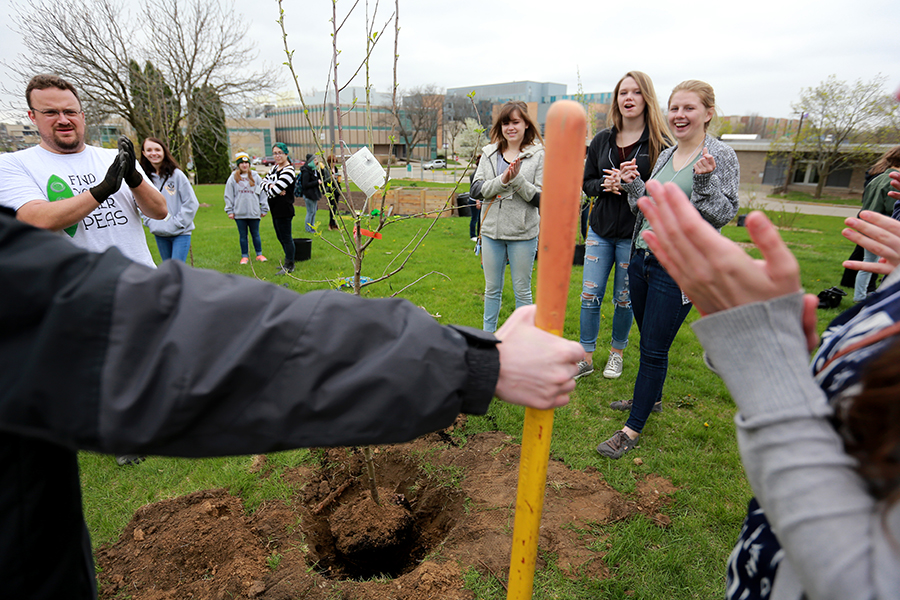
{"points": [[444, 510]]}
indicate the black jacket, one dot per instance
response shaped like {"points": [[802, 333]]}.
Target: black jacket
{"points": [[611, 216], [309, 183], [103, 354]]}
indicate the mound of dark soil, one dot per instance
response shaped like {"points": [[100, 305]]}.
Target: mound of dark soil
{"points": [[443, 509]]}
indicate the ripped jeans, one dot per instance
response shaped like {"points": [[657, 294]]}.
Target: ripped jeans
{"points": [[600, 255]]}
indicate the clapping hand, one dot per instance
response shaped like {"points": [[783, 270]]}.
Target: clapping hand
{"points": [[706, 164], [510, 173], [126, 154], [895, 181], [628, 171], [714, 272], [612, 182], [877, 233]]}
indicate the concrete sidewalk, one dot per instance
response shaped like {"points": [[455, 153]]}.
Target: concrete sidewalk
{"points": [[757, 197]]}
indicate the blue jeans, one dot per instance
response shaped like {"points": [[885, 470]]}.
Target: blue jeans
{"points": [[175, 247], [474, 217], [860, 291], [311, 207], [253, 225], [284, 234], [495, 253], [600, 255], [659, 311]]}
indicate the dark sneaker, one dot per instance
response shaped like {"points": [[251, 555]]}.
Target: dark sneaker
{"points": [[285, 269], [129, 459], [584, 368], [626, 405], [617, 445]]}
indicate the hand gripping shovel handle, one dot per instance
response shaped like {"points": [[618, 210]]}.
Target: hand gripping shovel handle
{"points": [[564, 147]]}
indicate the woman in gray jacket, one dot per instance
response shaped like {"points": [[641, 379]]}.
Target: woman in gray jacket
{"points": [[173, 234], [246, 205], [508, 182]]}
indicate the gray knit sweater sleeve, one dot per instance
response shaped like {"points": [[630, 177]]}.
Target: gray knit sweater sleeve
{"points": [[838, 541]]}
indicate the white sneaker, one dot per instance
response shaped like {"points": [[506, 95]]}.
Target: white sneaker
{"points": [[613, 369]]}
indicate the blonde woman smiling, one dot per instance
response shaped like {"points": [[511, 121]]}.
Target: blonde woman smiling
{"points": [[708, 173]]}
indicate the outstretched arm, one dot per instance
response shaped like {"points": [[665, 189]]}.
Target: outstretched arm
{"points": [[279, 376]]}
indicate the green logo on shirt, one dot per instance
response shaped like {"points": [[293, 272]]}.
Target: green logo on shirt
{"points": [[57, 189]]}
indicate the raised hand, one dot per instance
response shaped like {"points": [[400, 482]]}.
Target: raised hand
{"points": [[714, 272], [628, 171], [537, 368], [706, 164], [895, 182], [878, 234], [510, 173], [611, 183], [126, 154], [111, 182]]}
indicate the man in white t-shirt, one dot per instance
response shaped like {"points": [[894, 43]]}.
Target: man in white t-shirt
{"points": [[91, 194]]}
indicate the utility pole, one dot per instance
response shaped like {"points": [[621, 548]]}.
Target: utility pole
{"points": [[790, 170]]}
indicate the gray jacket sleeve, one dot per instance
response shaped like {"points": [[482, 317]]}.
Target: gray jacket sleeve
{"points": [[187, 362], [230, 186], [838, 541]]}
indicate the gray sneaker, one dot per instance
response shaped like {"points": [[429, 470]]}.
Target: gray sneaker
{"points": [[584, 368], [617, 445], [614, 364], [626, 405]]}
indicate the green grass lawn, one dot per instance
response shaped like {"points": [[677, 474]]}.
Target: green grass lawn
{"points": [[795, 196], [691, 443]]}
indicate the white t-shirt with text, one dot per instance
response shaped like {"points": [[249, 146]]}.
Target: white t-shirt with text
{"points": [[36, 173]]}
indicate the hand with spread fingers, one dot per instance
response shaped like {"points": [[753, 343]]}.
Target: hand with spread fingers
{"points": [[877, 233], [714, 272]]}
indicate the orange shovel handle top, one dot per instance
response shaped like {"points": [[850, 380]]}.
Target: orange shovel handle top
{"points": [[564, 149]]}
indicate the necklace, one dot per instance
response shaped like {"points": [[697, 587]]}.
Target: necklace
{"points": [[615, 164], [687, 162]]}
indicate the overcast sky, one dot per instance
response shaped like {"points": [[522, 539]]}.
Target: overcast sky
{"points": [[757, 56]]}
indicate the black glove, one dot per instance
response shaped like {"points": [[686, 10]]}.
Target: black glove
{"points": [[131, 175], [111, 183]]}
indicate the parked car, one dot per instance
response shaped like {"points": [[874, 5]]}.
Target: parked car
{"points": [[268, 161], [438, 163]]}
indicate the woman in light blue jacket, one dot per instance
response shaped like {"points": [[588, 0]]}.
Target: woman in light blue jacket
{"points": [[508, 182], [173, 234], [246, 204]]}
